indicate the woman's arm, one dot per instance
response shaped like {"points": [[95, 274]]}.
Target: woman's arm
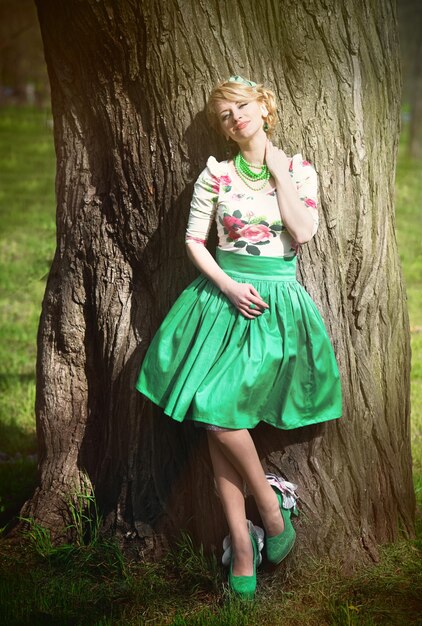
{"points": [[241, 295], [295, 215], [201, 214]]}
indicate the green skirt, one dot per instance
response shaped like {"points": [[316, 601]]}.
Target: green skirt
{"points": [[208, 363]]}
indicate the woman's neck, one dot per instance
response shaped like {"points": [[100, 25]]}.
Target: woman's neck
{"points": [[254, 149]]}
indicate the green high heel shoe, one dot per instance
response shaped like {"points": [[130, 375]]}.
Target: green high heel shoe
{"points": [[245, 586], [278, 547]]}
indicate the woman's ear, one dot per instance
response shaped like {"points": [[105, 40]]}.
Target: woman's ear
{"points": [[264, 110]]}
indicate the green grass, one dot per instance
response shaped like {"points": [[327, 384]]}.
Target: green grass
{"points": [[26, 250], [409, 236], [94, 584], [82, 584], [27, 206], [409, 229], [89, 582]]}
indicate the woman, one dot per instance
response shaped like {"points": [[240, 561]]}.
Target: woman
{"points": [[244, 342]]}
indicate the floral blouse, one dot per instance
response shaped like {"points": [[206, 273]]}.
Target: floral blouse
{"points": [[248, 222]]}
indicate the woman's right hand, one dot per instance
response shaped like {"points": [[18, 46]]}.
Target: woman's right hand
{"points": [[242, 296]]}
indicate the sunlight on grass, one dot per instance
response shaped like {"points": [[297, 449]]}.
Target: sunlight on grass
{"points": [[27, 208], [409, 236], [27, 213]]}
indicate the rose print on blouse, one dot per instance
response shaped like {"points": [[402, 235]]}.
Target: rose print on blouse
{"points": [[249, 231], [225, 183], [216, 184], [232, 226], [246, 221], [256, 233], [219, 183], [309, 202]]}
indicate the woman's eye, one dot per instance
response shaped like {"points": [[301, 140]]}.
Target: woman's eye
{"points": [[243, 104]]}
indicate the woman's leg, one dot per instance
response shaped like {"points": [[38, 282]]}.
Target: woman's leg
{"points": [[230, 488], [238, 448]]}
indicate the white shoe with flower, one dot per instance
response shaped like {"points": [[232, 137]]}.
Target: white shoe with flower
{"points": [[258, 533]]}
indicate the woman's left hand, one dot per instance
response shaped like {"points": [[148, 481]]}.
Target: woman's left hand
{"points": [[277, 161]]}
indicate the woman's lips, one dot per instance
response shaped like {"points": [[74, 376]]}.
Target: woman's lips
{"points": [[241, 125]]}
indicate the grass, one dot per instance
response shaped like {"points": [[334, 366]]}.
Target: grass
{"points": [[27, 165], [93, 584], [65, 587], [89, 582], [409, 236]]}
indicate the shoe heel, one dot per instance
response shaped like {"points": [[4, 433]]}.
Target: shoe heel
{"points": [[278, 547], [244, 586], [258, 534]]}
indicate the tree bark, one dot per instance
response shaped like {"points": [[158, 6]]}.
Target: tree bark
{"points": [[128, 85]]}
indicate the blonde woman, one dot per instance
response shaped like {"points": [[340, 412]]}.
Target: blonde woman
{"points": [[245, 343]]}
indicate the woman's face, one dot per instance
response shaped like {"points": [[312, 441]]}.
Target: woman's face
{"points": [[240, 120]]}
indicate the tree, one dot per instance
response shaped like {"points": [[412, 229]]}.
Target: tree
{"points": [[128, 83]]}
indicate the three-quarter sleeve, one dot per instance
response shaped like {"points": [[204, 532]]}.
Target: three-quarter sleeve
{"points": [[307, 185], [203, 204]]}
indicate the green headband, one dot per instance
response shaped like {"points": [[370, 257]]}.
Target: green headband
{"points": [[242, 81]]}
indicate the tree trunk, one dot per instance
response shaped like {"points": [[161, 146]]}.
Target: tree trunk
{"points": [[128, 84]]}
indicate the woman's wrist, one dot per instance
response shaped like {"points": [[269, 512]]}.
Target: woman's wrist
{"points": [[282, 178], [224, 283]]}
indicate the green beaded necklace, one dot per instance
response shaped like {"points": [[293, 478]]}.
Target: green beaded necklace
{"points": [[245, 173]]}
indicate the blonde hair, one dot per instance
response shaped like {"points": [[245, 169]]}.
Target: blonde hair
{"points": [[232, 92]]}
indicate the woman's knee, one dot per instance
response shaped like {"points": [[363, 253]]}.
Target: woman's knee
{"points": [[230, 439]]}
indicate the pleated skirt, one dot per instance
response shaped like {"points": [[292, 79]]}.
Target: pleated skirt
{"points": [[208, 363]]}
